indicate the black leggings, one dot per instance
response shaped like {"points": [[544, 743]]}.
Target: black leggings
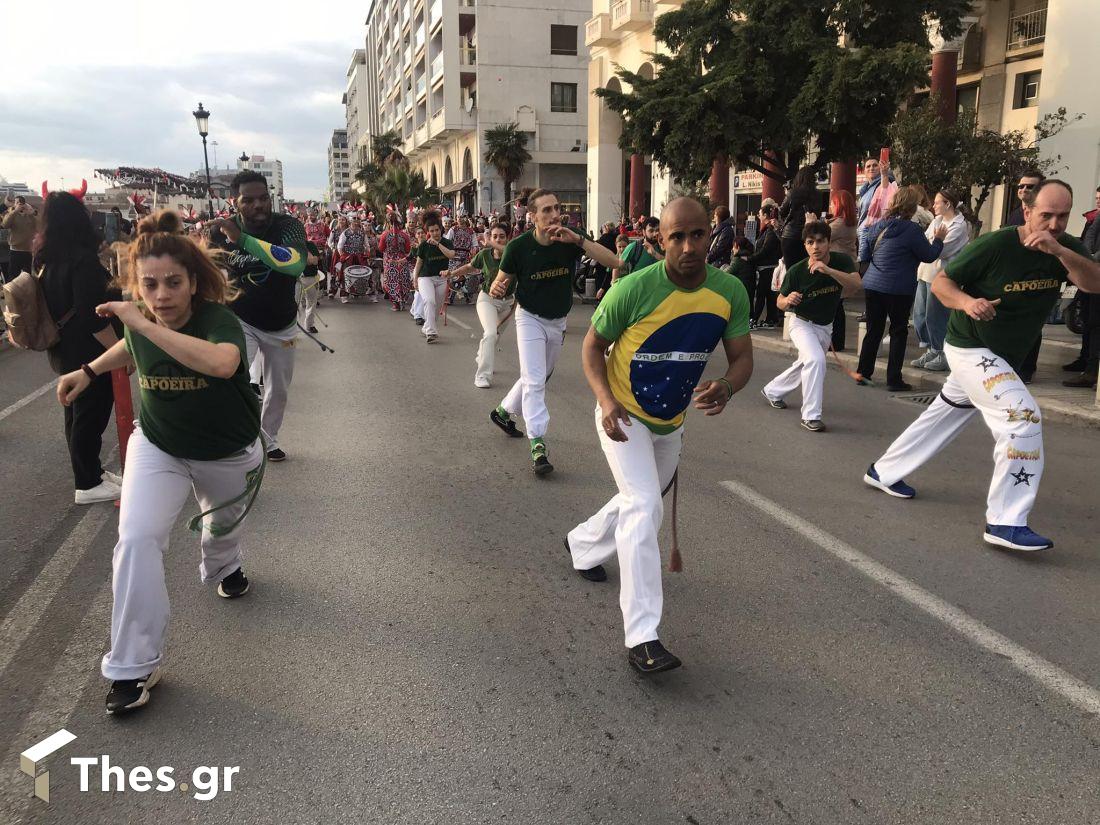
{"points": [[880, 306], [764, 297], [85, 421]]}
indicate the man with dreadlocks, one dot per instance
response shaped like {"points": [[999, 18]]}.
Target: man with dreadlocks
{"points": [[267, 255]]}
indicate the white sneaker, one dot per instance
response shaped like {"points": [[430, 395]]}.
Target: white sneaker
{"points": [[106, 491], [114, 478], [482, 383]]}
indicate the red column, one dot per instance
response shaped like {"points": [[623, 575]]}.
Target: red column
{"points": [[945, 75], [720, 183], [124, 411], [843, 176], [637, 185], [772, 187]]}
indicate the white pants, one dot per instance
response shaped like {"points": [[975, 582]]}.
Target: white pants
{"points": [[432, 291], [154, 490], [275, 351], [628, 524], [491, 312], [540, 341], [308, 293], [416, 307], [812, 341], [979, 382]]}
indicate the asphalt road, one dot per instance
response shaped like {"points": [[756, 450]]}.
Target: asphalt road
{"points": [[416, 648]]}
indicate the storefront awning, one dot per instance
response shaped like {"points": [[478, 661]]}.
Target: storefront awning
{"points": [[458, 187]]}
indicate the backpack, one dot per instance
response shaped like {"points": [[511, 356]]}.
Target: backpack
{"points": [[637, 248], [30, 325]]}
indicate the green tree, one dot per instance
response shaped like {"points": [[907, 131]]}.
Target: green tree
{"points": [[752, 80], [967, 159], [399, 185], [506, 151], [384, 150]]}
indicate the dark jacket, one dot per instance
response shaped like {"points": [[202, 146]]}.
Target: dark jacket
{"points": [[603, 274], [1091, 237], [721, 243], [81, 284], [768, 252], [793, 212], [894, 261]]}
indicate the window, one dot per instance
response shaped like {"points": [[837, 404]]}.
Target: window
{"points": [[1027, 90], [563, 97], [563, 39]]}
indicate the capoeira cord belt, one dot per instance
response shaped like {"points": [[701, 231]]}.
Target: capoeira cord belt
{"points": [[675, 564], [253, 480]]}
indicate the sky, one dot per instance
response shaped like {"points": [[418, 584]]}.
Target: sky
{"points": [[93, 85]]}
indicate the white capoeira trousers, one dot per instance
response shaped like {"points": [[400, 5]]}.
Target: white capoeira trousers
{"points": [[540, 341], [416, 306], [275, 352], [432, 292], [308, 294], [643, 466], [154, 489], [491, 312], [980, 382], [808, 370]]}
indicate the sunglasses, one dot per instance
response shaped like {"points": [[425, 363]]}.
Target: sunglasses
{"points": [[1026, 186]]}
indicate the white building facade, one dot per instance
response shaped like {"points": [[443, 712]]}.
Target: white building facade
{"points": [[339, 166], [356, 108], [431, 83], [270, 168]]}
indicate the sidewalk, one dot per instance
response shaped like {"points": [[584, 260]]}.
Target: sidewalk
{"points": [[1060, 346]]}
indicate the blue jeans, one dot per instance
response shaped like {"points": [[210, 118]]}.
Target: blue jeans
{"points": [[930, 317]]}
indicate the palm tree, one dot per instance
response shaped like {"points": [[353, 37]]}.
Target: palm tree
{"points": [[399, 185], [384, 146], [506, 151]]}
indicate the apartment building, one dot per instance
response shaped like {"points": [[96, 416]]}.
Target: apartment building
{"points": [[356, 114], [339, 166], [270, 168], [445, 71], [1017, 61]]}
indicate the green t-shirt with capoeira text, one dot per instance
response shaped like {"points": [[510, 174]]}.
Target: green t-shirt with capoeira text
{"points": [[489, 265], [821, 293], [185, 413], [1027, 281], [543, 274], [433, 262], [663, 336]]}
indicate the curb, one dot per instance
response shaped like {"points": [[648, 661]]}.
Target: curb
{"points": [[1053, 409]]}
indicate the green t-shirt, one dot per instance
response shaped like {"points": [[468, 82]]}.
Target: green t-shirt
{"points": [[489, 265], [543, 274], [433, 261], [663, 336], [637, 257], [185, 413], [1027, 281], [821, 294]]}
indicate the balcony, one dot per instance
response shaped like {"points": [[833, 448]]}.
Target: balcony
{"points": [[435, 15], [467, 56], [598, 31], [437, 67], [421, 86], [631, 15], [1027, 29]]}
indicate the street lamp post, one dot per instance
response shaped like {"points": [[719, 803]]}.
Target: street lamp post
{"points": [[202, 119]]}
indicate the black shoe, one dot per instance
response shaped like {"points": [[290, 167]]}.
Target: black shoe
{"points": [[775, 404], [1078, 365], [1083, 381], [541, 465], [814, 425], [419, 321], [276, 455], [651, 657], [234, 585], [899, 386], [592, 574], [508, 425], [130, 694], [312, 330]]}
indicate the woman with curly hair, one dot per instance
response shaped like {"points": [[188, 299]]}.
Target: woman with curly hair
{"points": [[199, 430]]}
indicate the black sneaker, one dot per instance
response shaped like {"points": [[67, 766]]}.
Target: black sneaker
{"points": [[419, 321], [899, 386], [814, 425], [592, 574], [130, 694], [506, 424], [541, 465], [651, 657], [276, 455], [1078, 365], [779, 404], [312, 330], [234, 585]]}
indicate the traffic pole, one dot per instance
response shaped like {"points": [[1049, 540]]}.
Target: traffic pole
{"points": [[124, 411]]}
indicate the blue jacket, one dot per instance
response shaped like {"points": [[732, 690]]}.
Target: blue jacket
{"points": [[893, 264]]}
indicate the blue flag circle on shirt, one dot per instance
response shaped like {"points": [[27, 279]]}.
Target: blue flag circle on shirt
{"points": [[281, 254], [668, 366]]}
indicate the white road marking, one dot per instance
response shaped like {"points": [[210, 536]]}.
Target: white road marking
{"points": [[1052, 677], [26, 613], [462, 324], [22, 402]]}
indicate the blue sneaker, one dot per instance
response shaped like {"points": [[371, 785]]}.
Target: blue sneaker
{"points": [[1015, 538], [899, 489]]}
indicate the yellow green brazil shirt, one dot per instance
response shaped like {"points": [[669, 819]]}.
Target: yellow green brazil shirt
{"points": [[663, 336]]}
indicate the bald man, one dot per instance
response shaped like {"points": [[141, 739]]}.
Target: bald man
{"points": [[662, 323]]}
